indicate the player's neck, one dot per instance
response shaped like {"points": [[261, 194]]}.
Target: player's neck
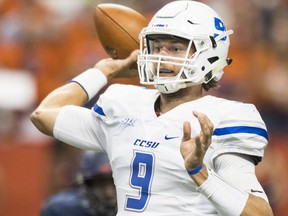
{"points": [[170, 101]]}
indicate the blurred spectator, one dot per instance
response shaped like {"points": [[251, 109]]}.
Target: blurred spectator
{"points": [[93, 195]]}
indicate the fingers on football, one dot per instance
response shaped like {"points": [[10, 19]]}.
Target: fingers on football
{"points": [[132, 58]]}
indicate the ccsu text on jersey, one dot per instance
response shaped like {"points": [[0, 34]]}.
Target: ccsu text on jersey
{"points": [[146, 143]]}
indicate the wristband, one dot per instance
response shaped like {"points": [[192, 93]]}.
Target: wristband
{"points": [[195, 170], [91, 81]]}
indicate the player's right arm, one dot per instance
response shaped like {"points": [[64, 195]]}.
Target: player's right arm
{"points": [[76, 93]]}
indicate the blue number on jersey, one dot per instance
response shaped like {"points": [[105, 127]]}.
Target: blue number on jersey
{"points": [[141, 176], [219, 25]]}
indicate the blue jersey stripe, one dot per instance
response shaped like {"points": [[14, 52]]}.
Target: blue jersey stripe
{"points": [[98, 110], [241, 129]]}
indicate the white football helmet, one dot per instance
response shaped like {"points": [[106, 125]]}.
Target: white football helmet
{"points": [[204, 30]]}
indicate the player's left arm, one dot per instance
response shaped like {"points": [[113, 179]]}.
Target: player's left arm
{"points": [[239, 170], [227, 199]]}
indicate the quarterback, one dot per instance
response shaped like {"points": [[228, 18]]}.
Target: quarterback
{"points": [[174, 150]]}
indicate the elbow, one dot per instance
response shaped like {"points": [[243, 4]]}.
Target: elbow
{"points": [[35, 117], [257, 206], [41, 122]]}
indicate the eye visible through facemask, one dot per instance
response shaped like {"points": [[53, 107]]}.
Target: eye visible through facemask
{"points": [[168, 45]]}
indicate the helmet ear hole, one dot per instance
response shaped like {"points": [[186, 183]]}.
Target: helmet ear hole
{"points": [[213, 59]]}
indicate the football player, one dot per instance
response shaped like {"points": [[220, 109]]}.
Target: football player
{"points": [[174, 150], [94, 194]]}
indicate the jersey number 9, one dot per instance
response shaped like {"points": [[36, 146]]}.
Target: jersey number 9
{"points": [[141, 175]]}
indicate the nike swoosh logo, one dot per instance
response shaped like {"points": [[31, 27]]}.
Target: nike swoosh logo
{"points": [[170, 137], [189, 21], [256, 191]]}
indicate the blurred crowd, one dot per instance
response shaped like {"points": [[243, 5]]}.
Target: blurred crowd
{"points": [[45, 43]]}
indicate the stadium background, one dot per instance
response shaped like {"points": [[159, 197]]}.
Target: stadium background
{"points": [[44, 43]]}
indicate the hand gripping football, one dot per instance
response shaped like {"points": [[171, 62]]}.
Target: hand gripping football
{"points": [[118, 28]]}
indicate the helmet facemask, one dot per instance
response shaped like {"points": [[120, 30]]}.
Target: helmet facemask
{"points": [[153, 67]]}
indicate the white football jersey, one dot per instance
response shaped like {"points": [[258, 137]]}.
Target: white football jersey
{"points": [[144, 150]]}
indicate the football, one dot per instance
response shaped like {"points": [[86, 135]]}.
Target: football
{"points": [[118, 27]]}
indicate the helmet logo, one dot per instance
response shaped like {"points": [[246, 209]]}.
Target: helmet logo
{"points": [[219, 25]]}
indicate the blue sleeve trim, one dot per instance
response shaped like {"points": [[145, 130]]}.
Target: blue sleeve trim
{"points": [[98, 110], [240, 129]]}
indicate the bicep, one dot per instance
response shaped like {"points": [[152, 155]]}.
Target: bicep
{"points": [[78, 127]]}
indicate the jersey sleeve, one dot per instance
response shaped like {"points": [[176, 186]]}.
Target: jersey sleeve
{"points": [[239, 171], [241, 130], [77, 126], [108, 104], [122, 100]]}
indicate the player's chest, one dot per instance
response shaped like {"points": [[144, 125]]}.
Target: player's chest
{"points": [[144, 133], [146, 140]]}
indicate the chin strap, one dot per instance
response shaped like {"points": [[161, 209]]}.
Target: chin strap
{"points": [[170, 88]]}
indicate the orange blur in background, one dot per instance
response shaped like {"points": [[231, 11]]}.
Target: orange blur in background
{"points": [[43, 45]]}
